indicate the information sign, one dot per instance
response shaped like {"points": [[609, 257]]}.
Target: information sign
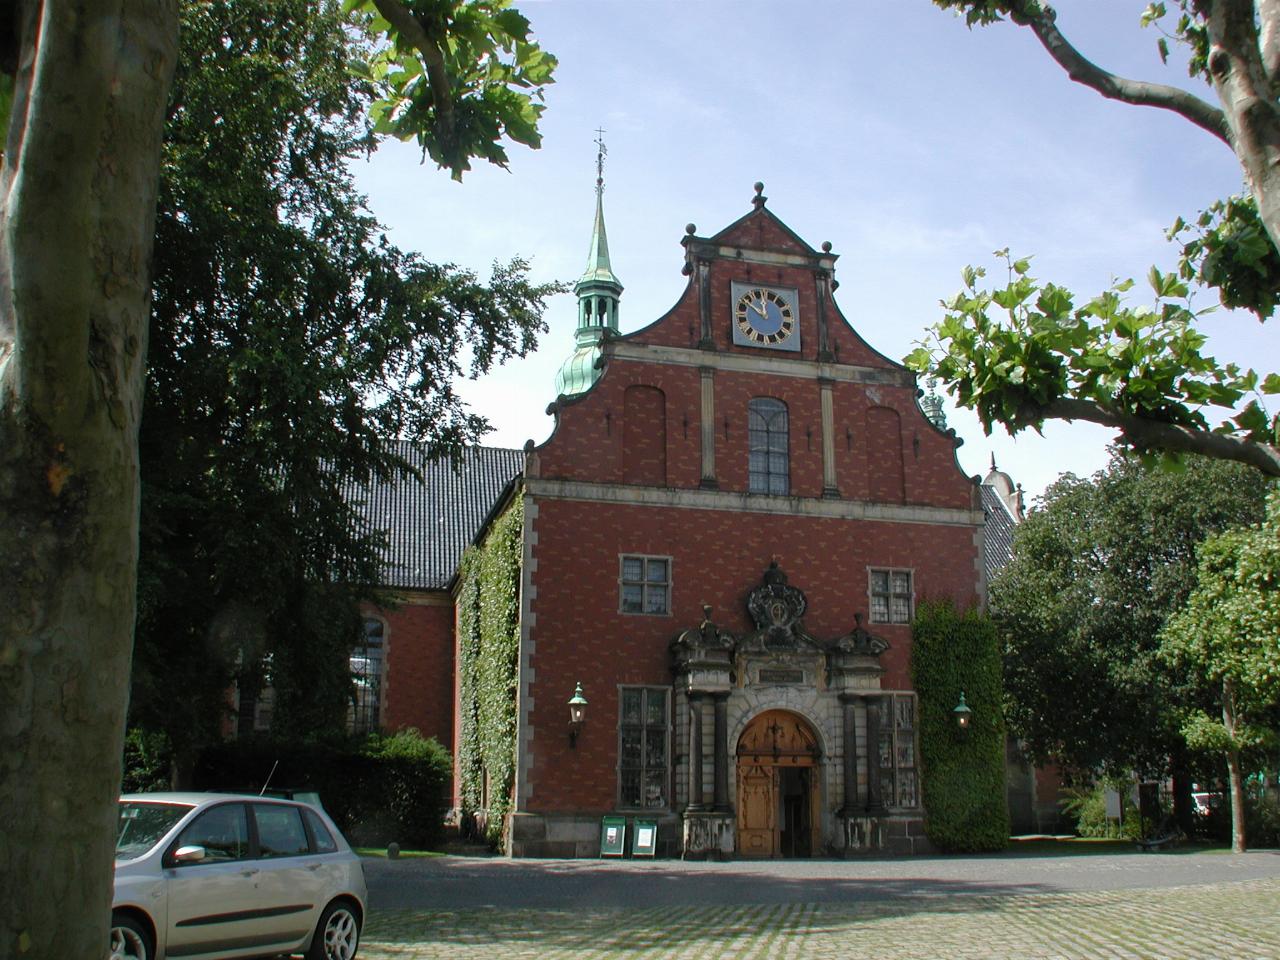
{"points": [[645, 842], [613, 836]]}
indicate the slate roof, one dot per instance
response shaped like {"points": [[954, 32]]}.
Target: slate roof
{"points": [[430, 523], [997, 534]]}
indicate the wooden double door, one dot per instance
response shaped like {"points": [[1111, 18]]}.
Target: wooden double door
{"points": [[779, 789]]}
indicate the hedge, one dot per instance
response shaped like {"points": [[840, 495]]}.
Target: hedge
{"points": [[963, 773], [383, 789]]}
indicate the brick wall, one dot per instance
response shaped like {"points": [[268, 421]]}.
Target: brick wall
{"points": [[418, 670], [717, 557]]}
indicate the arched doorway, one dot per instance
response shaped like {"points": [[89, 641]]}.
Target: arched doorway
{"points": [[779, 792]]}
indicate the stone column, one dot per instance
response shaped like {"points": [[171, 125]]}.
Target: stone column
{"points": [[821, 280], [828, 440], [708, 427], [722, 752], [875, 799], [695, 752], [704, 305], [848, 705]]}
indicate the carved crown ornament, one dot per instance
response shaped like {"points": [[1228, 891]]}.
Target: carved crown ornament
{"points": [[777, 609]]}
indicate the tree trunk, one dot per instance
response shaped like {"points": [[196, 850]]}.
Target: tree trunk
{"points": [[1235, 779], [1236, 785], [77, 205], [1240, 78]]}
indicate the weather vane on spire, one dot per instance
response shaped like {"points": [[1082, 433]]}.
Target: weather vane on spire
{"points": [[601, 153]]}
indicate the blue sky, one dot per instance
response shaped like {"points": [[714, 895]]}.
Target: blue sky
{"points": [[913, 144]]}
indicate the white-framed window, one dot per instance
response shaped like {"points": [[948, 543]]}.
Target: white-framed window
{"points": [[644, 733], [365, 663], [899, 781], [892, 596], [644, 585], [769, 457]]}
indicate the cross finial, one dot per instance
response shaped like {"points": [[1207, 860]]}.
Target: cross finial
{"points": [[601, 152]]}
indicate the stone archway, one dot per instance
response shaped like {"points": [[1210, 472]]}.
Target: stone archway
{"points": [[779, 787]]}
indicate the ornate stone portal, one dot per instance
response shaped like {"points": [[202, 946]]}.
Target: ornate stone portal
{"points": [[777, 736]]}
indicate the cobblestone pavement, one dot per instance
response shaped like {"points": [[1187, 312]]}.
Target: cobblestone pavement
{"points": [[1229, 914]]}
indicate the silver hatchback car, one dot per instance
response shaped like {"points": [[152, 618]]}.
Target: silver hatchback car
{"points": [[204, 876]]}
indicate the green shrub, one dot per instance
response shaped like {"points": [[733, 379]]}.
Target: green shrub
{"points": [[412, 785], [1087, 806], [963, 774]]}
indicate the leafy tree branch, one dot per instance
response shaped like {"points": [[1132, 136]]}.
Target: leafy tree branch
{"points": [[1024, 353], [456, 75], [1042, 20], [1146, 434], [1234, 47]]}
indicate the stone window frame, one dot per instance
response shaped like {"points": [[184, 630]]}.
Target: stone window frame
{"points": [[367, 717], [646, 729], [645, 584], [890, 594], [763, 481], [903, 752]]}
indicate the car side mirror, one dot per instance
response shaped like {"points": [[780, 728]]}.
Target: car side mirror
{"points": [[189, 854]]}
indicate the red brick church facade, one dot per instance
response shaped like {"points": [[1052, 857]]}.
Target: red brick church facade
{"points": [[724, 541]]}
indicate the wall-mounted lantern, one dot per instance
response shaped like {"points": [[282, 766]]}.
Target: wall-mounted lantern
{"points": [[963, 714], [577, 714]]}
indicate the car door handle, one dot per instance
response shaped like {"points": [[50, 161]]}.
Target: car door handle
{"points": [[249, 872], [314, 866]]}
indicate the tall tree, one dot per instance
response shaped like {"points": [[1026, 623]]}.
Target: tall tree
{"points": [[77, 201], [1228, 637], [291, 345], [77, 204], [1096, 573], [1141, 370]]}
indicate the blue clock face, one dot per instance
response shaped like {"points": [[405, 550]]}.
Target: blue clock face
{"points": [[764, 316]]}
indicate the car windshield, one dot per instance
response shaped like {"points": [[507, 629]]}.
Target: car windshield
{"points": [[142, 825]]}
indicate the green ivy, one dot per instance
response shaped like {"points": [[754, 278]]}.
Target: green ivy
{"points": [[963, 772], [488, 669]]}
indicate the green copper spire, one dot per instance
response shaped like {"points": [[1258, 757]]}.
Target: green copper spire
{"points": [[931, 404], [598, 292]]}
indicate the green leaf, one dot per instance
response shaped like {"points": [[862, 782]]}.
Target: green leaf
{"points": [[1253, 419], [919, 359]]}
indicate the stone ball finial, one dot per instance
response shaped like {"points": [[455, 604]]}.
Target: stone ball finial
{"points": [[690, 229], [759, 199], [528, 445], [826, 246]]}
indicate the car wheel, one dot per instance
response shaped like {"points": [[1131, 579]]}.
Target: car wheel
{"points": [[337, 934], [129, 939]]}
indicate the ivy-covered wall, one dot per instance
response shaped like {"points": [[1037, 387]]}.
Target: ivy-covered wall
{"points": [[963, 772], [488, 669]]}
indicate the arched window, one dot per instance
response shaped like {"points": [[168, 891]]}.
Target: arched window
{"points": [[770, 462], [366, 676]]}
